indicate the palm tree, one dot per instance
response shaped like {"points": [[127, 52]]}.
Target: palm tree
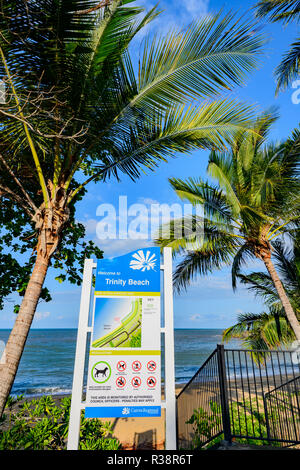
{"points": [[256, 200], [285, 11], [78, 110], [270, 329]]}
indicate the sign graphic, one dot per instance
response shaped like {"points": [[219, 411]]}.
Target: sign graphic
{"points": [[151, 382], [121, 382], [121, 366], [101, 372], [136, 382], [151, 365], [125, 342], [136, 366]]}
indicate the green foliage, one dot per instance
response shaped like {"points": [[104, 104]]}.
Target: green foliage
{"points": [[18, 240], [284, 11], [270, 329], [79, 110], [41, 424], [205, 424], [254, 200], [136, 340]]}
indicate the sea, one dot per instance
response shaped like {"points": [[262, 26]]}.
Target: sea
{"points": [[47, 363]]}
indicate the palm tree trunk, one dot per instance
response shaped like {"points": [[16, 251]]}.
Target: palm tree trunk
{"points": [[291, 316], [17, 339]]}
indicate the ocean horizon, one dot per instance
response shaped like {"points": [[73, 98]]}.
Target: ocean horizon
{"points": [[47, 363]]}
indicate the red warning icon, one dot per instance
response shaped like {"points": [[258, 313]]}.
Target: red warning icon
{"points": [[121, 382], [151, 365], [136, 382], [151, 382], [136, 366], [121, 366]]}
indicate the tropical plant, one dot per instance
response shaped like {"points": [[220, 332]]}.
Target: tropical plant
{"points": [[42, 424], [270, 329], [78, 110], [242, 418], [285, 11], [256, 200]]}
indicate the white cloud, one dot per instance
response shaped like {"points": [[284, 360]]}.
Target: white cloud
{"points": [[175, 14], [90, 226], [196, 7], [113, 248], [195, 317], [41, 315]]}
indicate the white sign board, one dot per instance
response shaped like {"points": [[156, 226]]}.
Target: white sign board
{"points": [[124, 371]]}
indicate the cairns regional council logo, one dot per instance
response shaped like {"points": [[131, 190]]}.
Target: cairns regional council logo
{"points": [[142, 261]]}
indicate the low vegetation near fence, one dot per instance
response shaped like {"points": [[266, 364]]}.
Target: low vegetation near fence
{"points": [[42, 424], [251, 397]]}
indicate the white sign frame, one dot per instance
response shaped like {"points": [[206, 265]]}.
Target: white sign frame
{"points": [[84, 327]]}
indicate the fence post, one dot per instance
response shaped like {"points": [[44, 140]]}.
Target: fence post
{"points": [[224, 393], [267, 418]]}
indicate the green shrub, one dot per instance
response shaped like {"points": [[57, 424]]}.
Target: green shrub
{"points": [[41, 424], [205, 424]]}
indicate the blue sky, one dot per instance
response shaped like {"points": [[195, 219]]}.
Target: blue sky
{"points": [[209, 302]]}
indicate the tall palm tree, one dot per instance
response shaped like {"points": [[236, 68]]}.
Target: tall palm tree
{"points": [[256, 200], [270, 329], [79, 110], [285, 11]]}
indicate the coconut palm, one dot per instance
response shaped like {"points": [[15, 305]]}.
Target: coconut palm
{"points": [[78, 110], [256, 200], [270, 329], [286, 259], [285, 11]]}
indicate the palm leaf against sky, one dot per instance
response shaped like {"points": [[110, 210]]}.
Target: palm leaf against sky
{"points": [[79, 109], [270, 329], [285, 11], [256, 199], [260, 332]]}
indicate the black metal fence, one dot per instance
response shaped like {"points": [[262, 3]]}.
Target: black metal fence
{"points": [[243, 395]]}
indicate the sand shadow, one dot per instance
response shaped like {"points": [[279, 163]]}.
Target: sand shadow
{"points": [[145, 440]]}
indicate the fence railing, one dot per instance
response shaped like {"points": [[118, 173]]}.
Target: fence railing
{"points": [[282, 406], [243, 395]]}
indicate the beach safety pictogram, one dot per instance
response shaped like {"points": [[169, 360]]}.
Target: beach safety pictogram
{"points": [[136, 382], [151, 365], [121, 382], [151, 382], [121, 366], [136, 366]]}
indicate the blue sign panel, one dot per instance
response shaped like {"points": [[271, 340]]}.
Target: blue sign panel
{"points": [[134, 272], [124, 374]]}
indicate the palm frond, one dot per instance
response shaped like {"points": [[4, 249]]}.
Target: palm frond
{"points": [[213, 55], [289, 67], [278, 10], [179, 129], [241, 257]]}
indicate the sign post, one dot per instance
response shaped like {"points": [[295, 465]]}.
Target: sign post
{"points": [[124, 370]]}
